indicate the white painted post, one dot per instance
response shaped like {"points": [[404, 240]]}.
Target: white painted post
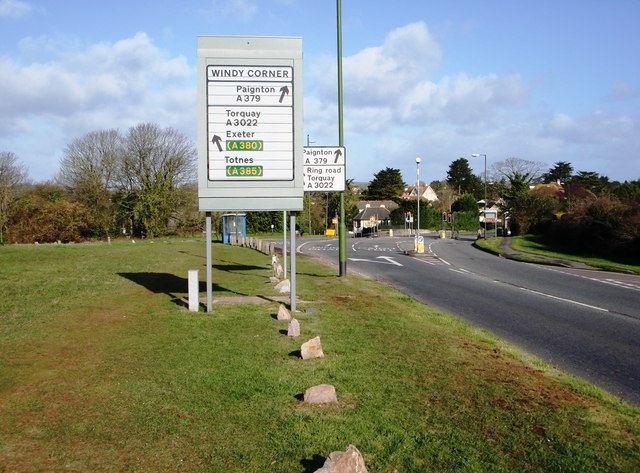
{"points": [[194, 292]]}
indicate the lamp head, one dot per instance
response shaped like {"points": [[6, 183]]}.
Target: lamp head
{"points": [[475, 155], [418, 160]]}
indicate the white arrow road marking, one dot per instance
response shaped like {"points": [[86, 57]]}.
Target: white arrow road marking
{"points": [[387, 258]]}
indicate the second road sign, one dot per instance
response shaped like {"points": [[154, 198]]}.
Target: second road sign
{"points": [[324, 168]]}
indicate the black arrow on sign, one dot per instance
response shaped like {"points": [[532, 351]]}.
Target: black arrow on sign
{"points": [[216, 140], [285, 91], [338, 154]]}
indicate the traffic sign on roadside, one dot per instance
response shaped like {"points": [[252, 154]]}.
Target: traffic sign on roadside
{"points": [[324, 168], [250, 123]]}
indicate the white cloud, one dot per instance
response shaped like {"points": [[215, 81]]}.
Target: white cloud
{"points": [[621, 92], [107, 85], [460, 99], [100, 77], [396, 107], [393, 85], [14, 8], [379, 74], [593, 128]]}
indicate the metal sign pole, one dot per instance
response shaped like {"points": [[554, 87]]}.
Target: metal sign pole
{"points": [[284, 244], [209, 264], [292, 226]]}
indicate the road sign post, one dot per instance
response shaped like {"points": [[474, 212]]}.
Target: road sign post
{"points": [[250, 126]]}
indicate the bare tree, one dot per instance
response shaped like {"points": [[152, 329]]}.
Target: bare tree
{"points": [[91, 159], [530, 171], [88, 171], [12, 175], [155, 163]]}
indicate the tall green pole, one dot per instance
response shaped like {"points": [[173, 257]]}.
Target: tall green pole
{"points": [[343, 227]]}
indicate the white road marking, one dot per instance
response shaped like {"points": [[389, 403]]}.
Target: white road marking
{"points": [[610, 281], [390, 259], [570, 301], [387, 258], [615, 282], [434, 254]]}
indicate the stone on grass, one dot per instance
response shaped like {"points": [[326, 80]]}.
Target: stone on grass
{"points": [[312, 349], [283, 313], [350, 461], [321, 394], [283, 286], [294, 328]]}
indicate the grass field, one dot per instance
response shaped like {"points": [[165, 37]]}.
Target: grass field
{"points": [[530, 248], [536, 245], [102, 370]]}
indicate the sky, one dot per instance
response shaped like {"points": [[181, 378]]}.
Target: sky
{"points": [[544, 80]]}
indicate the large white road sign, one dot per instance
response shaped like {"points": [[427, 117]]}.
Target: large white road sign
{"points": [[250, 122]]}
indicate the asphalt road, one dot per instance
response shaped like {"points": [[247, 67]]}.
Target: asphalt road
{"points": [[584, 322]]}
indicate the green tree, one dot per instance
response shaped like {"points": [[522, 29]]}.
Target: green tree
{"points": [[156, 162], [45, 214], [628, 192], [261, 221], [313, 217], [561, 171], [386, 184], [461, 178], [534, 210], [592, 181], [465, 203], [513, 201], [187, 218], [351, 200], [12, 176], [88, 171]]}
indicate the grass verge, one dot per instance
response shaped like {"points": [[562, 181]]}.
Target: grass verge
{"points": [[490, 245], [101, 370], [535, 245]]}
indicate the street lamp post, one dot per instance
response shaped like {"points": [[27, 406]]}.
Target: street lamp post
{"points": [[477, 155], [418, 191]]}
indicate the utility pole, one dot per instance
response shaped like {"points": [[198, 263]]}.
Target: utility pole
{"points": [[343, 226], [309, 193]]}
